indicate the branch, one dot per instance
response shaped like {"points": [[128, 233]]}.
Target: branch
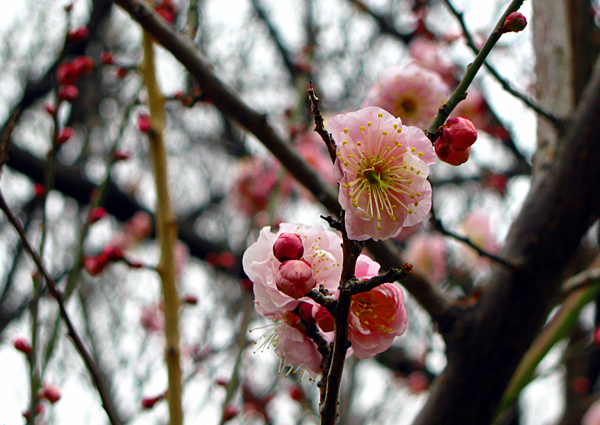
{"points": [[503, 82], [515, 304], [461, 91], [57, 295], [231, 105], [166, 229]]}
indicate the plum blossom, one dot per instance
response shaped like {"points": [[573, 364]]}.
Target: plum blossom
{"points": [[376, 318], [382, 168], [295, 348], [412, 93], [322, 252], [427, 253]]}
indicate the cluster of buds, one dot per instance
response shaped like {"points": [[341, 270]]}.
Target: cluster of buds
{"points": [[110, 254], [69, 72], [454, 145], [295, 276]]}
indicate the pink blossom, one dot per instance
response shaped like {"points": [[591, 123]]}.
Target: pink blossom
{"points": [[254, 184], [134, 231], [412, 93], [322, 251], [382, 168], [427, 253], [312, 148], [592, 416], [477, 228], [429, 55], [295, 348], [376, 318]]}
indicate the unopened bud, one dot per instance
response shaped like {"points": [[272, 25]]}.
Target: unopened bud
{"points": [[450, 155], [515, 22], [324, 319], [52, 394], [96, 214], [64, 135], [66, 74], [460, 133], [288, 246], [79, 35], [22, 345], [144, 123], [83, 65], [295, 278], [230, 412], [68, 93], [108, 58], [149, 402]]}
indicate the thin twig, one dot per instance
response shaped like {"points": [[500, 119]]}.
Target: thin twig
{"points": [[438, 226], [6, 136], [166, 227], [503, 82], [392, 275], [320, 123], [461, 90], [58, 296]]}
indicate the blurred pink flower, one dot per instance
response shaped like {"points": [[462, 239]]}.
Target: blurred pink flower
{"points": [[376, 318], [322, 251], [382, 168], [411, 93], [429, 55], [256, 180], [311, 147], [592, 416], [427, 253], [477, 228], [136, 229]]}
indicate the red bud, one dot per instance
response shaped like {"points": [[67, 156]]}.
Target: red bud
{"points": [[288, 246], [295, 278], [68, 93], [515, 22]]}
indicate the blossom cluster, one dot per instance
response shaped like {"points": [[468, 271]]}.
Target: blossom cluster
{"points": [[376, 317]]}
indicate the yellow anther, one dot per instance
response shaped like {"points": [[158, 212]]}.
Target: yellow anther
{"points": [[380, 115], [410, 211], [413, 149], [346, 130], [420, 153]]}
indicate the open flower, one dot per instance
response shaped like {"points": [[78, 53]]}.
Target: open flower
{"points": [[322, 252], [412, 93], [382, 168], [376, 318]]}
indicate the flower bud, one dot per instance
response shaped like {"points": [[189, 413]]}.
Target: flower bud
{"points": [[305, 312], [113, 252], [83, 65], [288, 246], [460, 133], [515, 22], [40, 191], [95, 265], [52, 394], [229, 412], [68, 93], [50, 108], [149, 402], [108, 58], [96, 214], [64, 135], [144, 123], [189, 299], [22, 345], [295, 278], [324, 319], [79, 35], [449, 154], [296, 393], [120, 155], [66, 74]]}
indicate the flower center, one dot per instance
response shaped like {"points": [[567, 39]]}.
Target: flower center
{"points": [[381, 175], [374, 310], [407, 107]]}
